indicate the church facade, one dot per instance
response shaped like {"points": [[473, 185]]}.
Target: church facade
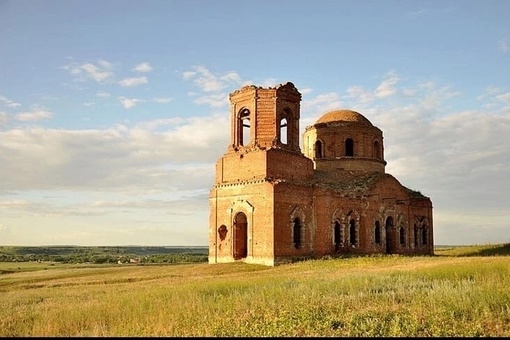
{"points": [[273, 203]]}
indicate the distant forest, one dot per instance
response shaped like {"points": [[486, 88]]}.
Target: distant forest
{"points": [[104, 254]]}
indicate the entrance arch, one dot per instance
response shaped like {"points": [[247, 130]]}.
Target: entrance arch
{"points": [[240, 236], [390, 236]]}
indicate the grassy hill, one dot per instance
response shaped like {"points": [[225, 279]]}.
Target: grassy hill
{"points": [[461, 291]]}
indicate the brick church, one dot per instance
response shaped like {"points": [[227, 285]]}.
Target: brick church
{"points": [[273, 203]]}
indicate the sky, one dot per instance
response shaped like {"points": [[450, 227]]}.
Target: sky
{"points": [[113, 113]]}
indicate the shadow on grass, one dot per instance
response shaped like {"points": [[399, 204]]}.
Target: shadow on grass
{"points": [[484, 250], [503, 249]]}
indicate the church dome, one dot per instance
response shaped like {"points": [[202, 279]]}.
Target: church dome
{"points": [[343, 116]]}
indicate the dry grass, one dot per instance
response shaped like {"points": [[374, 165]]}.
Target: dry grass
{"points": [[359, 296]]}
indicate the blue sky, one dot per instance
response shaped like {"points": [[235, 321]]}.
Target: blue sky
{"points": [[113, 113]]}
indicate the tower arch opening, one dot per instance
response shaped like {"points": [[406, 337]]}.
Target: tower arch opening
{"points": [[244, 127], [284, 136]]}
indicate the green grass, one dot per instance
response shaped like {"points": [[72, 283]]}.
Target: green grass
{"points": [[455, 293]]}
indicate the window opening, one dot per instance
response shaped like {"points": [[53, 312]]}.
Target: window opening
{"points": [[349, 147], [377, 233], [377, 150], [297, 232], [283, 131], [402, 236], [415, 235], [337, 235], [424, 235], [352, 232], [318, 149], [390, 235], [245, 127]]}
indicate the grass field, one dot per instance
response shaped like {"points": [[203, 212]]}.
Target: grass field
{"points": [[461, 291]]}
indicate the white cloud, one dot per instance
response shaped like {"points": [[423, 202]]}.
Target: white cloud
{"points": [[102, 94], [360, 95], [321, 103], [209, 82], [214, 88], [504, 46], [100, 72], [8, 102], [187, 75], [505, 97], [213, 100], [130, 82], [129, 102], [143, 67], [387, 87], [3, 117], [35, 114], [105, 64], [163, 100], [270, 82], [162, 156]]}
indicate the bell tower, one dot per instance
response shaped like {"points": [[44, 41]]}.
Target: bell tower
{"points": [[263, 118], [263, 158]]}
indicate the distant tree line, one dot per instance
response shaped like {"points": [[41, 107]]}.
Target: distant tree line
{"points": [[101, 255]]}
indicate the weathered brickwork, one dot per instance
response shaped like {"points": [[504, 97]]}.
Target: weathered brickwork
{"points": [[271, 203]]}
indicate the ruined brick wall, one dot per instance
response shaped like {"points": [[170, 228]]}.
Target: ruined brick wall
{"points": [[293, 201], [368, 146], [254, 199], [272, 204], [237, 167], [288, 165]]}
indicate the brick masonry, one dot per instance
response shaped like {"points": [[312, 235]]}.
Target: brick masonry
{"points": [[271, 203]]}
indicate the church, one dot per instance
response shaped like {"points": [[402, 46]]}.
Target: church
{"points": [[273, 202]]}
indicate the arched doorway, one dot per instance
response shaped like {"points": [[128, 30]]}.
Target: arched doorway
{"points": [[390, 236], [240, 236]]}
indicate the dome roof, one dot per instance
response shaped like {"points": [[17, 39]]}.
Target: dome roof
{"points": [[343, 116]]}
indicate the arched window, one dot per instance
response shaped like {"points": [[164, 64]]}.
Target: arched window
{"points": [[284, 131], [424, 236], [296, 229], [349, 147], [244, 118], [402, 236], [377, 150], [318, 149], [352, 232], [416, 235], [337, 235], [377, 233]]}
